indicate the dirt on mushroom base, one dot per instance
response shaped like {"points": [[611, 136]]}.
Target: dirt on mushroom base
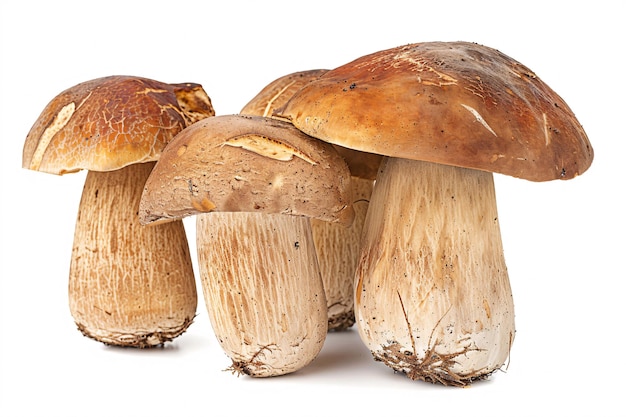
{"points": [[251, 366], [138, 340], [340, 322], [433, 367]]}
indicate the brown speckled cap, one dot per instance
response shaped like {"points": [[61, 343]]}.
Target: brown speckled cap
{"points": [[241, 163], [108, 123], [454, 103]]}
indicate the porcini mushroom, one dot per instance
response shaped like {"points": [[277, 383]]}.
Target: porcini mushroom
{"points": [[129, 285], [253, 183], [433, 298], [337, 246]]}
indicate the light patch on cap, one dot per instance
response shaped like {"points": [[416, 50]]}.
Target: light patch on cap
{"points": [[546, 129], [148, 90], [421, 65], [269, 148], [525, 71], [444, 79], [277, 181], [406, 55], [479, 118], [271, 101], [63, 116]]}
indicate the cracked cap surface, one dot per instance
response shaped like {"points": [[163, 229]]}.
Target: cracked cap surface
{"points": [[111, 122]]}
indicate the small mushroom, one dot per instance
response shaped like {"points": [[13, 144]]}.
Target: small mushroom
{"points": [[337, 246], [129, 285], [253, 183], [433, 298]]}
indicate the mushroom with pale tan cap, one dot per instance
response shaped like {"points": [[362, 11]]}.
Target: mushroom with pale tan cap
{"points": [[433, 298], [129, 285], [253, 183], [337, 246]]}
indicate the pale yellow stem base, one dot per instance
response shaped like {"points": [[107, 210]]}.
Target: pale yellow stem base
{"points": [[263, 290], [433, 298], [130, 285]]}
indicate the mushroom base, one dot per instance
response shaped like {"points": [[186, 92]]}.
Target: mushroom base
{"points": [[130, 285], [263, 290], [432, 297]]}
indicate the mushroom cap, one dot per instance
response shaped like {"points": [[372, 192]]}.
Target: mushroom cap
{"points": [[236, 163], [278, 92], [111, 122], [454, 103]]}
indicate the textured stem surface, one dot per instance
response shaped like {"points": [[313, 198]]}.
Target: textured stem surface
{"points": [[433, 298], [130, 285], [338, 248], [263, 290]]}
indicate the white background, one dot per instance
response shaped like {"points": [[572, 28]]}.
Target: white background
{"points": [[564, 241]]}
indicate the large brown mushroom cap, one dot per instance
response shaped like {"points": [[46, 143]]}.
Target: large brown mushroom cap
{"points": [[111, 122], [453, 103], [236, 163]]}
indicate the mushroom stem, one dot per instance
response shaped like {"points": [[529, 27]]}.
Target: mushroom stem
{"points": [[129, 285], [433, 298], [338, 250], [263, 290]]}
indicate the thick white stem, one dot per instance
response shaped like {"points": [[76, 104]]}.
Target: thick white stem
{"points": [[338, 249], [433, 298], [263, 290], [130, 285]]}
